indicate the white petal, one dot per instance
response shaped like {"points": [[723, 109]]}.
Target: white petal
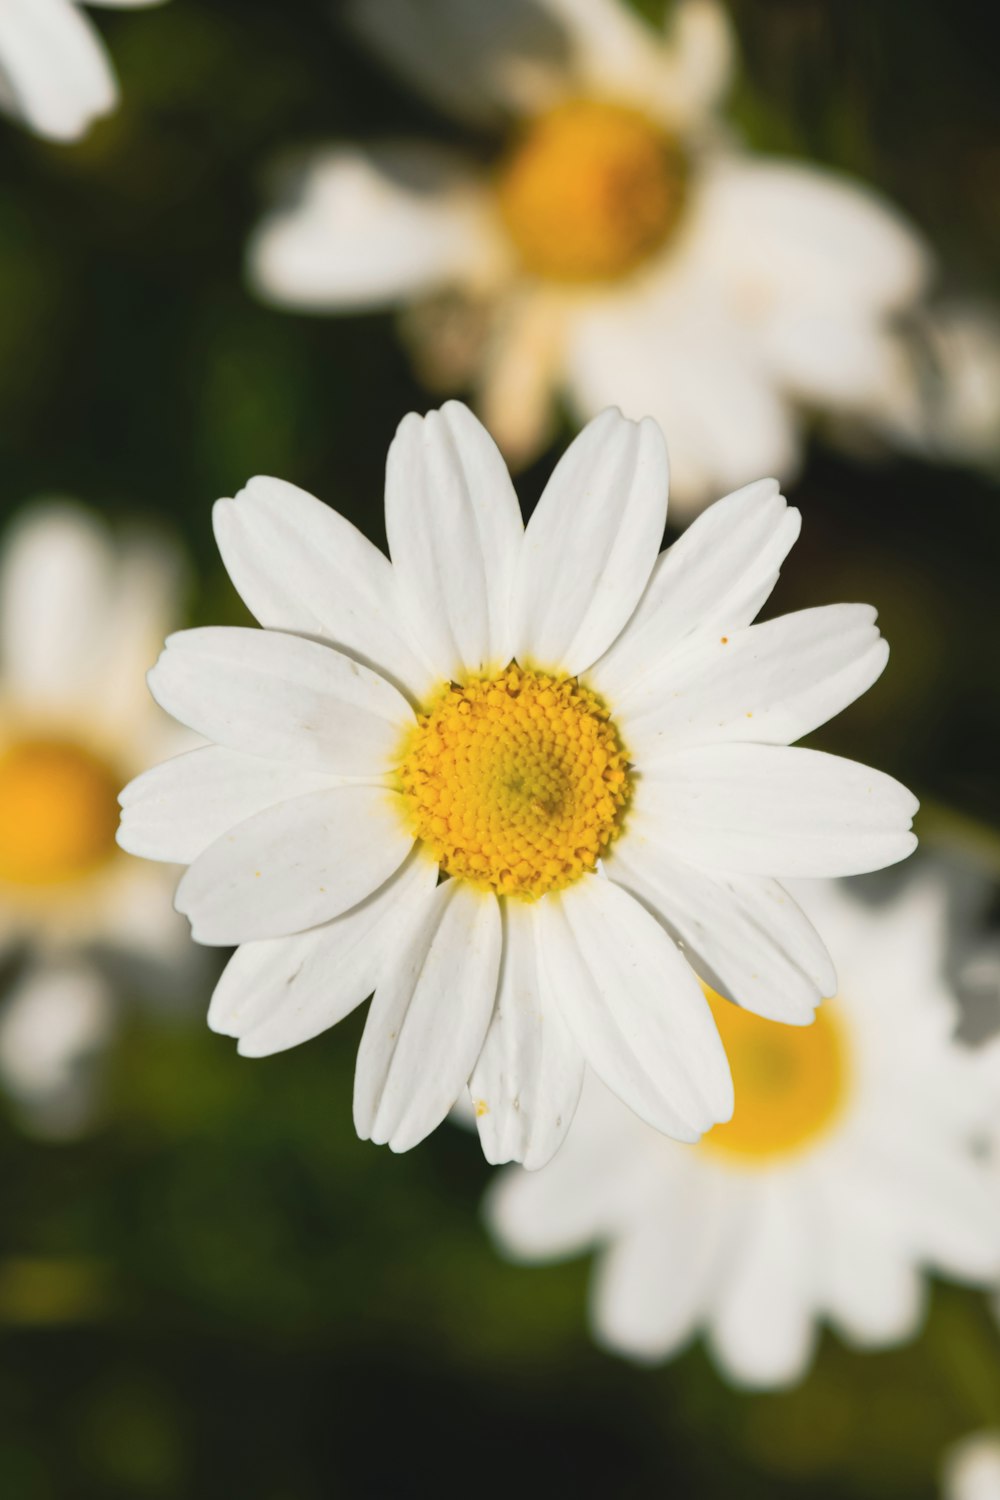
{"points": [[635, 1008], [775, 810], [682, 362], [295, 865], [55, 1020], [591, 543], [428, 1019], [283, 991], [585, 1193], [743, 934], [54, 73], [175, 810], [770, 683], [281, 697], [57, 573], [302, 567], [478, 61], [371, 228], [784, 232], [712, 581], [652, 1283], [873, 1286], [847, 360], [763, 1325], [527, 1082], [454, 529], [971, 1468], [945, 1202]]}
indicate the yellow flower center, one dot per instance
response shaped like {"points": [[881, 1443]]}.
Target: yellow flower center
{"points": [[517, 783], [590, 191], [790, 1082], [58, 812]]}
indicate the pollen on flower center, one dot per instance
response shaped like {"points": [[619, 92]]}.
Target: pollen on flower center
{"points": [[790, 1082], [590, 191], [58, 812], [517, 783]]}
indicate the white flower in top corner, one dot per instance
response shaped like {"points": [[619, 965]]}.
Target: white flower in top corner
{"points": [[589, 740], [55, 75], [971, 1469], [80, 617], [622, 248], [851, 1166]]}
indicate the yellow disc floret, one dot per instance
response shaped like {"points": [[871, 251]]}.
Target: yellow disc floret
{"points": [[790, 1082], [58, 812], [517, 783], [590, 191]]}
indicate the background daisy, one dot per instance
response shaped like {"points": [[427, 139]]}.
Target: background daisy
{"points": [[621, 248], [849, 1168], [79, 619]]}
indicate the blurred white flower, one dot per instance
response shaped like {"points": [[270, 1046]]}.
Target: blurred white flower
{"points": [[850, 1167], [971, 1469], [79, 620], [55, 75], [623, 249], [948, 407], [466, 710]]}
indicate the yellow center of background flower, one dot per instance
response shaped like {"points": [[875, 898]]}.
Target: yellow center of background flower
{"points": [[516, 783], [790, 1082], [58, 812], [590, 191]]}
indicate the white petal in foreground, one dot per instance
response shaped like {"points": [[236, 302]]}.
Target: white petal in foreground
{"points": [[527, 1082], [295, 865], [282, 698], [770, 683], [455, 531], [428, 1019], [775, 810], [743, 934], [54, 72], [591, 543], [372, 228], [278, 993], [635, 1008], [300, 566], [175, 810], [712, 580]]}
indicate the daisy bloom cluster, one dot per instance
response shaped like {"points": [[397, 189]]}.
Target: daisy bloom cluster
{"points": [[621, 248], [851, 1166], [80, 618], [498, 780], [55, 75]]}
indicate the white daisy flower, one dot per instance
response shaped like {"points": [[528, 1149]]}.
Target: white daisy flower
{"points": [[850, 1166], [622, 248], [526, 711], [971, 1469], [79, 620], [55, 75]]}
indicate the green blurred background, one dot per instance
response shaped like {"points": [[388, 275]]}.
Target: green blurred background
{"points": [[220, 1291]]}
